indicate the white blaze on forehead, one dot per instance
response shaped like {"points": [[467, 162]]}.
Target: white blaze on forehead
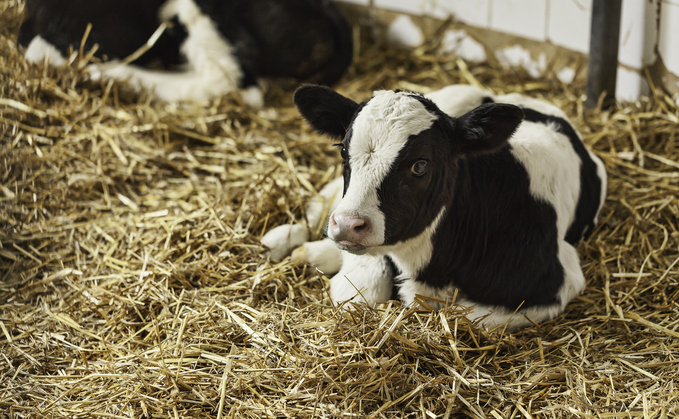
{"points": [[379, 132], [382, 128]]}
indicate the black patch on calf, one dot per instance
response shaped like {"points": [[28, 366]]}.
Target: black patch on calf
{"points": [[346, 166], [305, 39], [487, 99], [342, 34], [496, 243], [589, 200], [428, 104], [393, 273], [410, 203]]}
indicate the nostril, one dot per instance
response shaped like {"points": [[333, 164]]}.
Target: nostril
{"points": [[345, 227], [361, 226]]}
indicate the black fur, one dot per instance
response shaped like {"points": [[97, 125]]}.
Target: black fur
{"points": [[346, 166], [119, 28], [410, 203], [305, 39], [487, 127], [496, 240], [325, 110], [392, 272]]}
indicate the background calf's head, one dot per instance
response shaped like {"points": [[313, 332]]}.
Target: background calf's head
{"points": [[401, 156]]}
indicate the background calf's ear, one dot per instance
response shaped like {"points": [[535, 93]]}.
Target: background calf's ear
{"points": [[327, 111], [487, 127]]}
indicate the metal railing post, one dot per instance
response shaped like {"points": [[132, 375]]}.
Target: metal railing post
{"points": [[603, 51]]}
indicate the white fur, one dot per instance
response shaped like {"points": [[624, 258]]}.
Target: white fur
{"points": [[574, 279], [187, 11], [363, 278], [458, 99], [531, 103], [380, 131], [253, 97], [601, 172], [549, 109], [39, 49], [282, 239], [553, 168], [413, 255], [324, 255]]}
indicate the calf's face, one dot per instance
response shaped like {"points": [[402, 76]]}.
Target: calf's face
{"points": [[401, 156]]}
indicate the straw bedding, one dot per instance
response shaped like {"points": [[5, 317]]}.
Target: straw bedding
{"points": [[133, 284]]}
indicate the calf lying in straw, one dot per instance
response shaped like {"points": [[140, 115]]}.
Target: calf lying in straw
{"points": [[213, 46], [457, 193]]}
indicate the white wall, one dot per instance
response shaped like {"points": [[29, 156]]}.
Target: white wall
{"points": [[566, 23]]}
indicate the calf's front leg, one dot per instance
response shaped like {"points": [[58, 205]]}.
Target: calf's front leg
{"points": [[363, 278]]}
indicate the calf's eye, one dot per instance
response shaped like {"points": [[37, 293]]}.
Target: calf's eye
{"points": [[343, 150], [419, 168]]}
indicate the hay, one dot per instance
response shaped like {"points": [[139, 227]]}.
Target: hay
{"points": [[133, 284]]}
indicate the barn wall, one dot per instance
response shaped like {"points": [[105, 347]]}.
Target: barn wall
{"points": [[545, 35]]}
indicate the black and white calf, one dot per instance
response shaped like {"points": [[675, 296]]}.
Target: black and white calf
{"points": [[488, 204], [216, 46]]}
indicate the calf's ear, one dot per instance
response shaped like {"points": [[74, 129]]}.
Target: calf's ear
{"points": [[327, 111], [487, 127]]}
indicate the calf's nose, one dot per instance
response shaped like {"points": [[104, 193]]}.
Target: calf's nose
{"points": [[349, 228]]}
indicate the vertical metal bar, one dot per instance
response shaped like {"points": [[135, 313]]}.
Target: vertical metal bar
{"points": [[603, 51]]}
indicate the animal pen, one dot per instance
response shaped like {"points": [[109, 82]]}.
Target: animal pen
{"points": [[133, 283]]}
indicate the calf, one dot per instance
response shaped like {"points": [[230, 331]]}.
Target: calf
{"points": [[487, 205], [216, 45]]}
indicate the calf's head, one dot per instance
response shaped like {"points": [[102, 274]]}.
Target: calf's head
{"points": [[401, 156]]}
